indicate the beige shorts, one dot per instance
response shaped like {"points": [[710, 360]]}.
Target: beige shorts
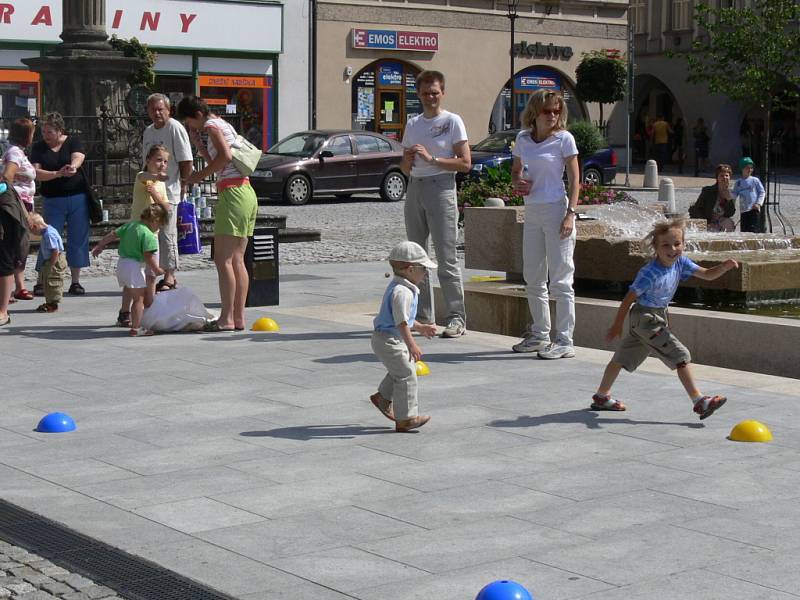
{"points": [[649, 333]]}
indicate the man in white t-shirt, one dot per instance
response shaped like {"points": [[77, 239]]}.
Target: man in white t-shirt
{"points": [[171, 134], [435, 147]]}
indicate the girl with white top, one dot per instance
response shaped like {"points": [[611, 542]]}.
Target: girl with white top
{"points": [[236, 209], [545, 147]]}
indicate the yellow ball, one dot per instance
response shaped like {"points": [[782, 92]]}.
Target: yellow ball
{"points": [[750, 431], [422, 369], [265, 324]]}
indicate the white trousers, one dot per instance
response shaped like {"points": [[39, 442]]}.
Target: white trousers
{"points": [[543, 253]]}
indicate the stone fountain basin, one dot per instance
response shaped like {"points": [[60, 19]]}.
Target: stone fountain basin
{"points": [[493, 241]]}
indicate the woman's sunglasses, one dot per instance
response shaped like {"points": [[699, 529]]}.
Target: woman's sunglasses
{"points": [[548, 111]]}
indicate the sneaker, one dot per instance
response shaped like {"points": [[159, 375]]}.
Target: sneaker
{"points": [[454, 329], [530, 344], [76, 289], [706, 406], [557, 351], [38, 290]]}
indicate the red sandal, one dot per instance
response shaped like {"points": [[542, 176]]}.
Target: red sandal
{"points": [[606, 403], [23, 294]]}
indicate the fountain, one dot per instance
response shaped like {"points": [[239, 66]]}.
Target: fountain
{"points": [[609, 252]]}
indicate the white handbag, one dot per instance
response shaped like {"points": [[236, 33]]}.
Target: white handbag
{"points": [[244, 155]]}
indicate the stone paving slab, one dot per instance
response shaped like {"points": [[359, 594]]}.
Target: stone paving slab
{"points": [[255, 464]]}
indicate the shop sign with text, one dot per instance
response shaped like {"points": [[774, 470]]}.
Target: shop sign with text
{"points": [[388, 39], [158, 23], [539, 50]]}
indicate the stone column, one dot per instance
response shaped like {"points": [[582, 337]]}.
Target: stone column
{"points": [[84, 25]]}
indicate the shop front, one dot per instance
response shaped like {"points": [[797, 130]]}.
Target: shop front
{"points": [[198, 53], [365, 77]]}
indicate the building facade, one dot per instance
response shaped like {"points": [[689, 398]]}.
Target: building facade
{"points": [[661, 87], [369, 52], [231, 53]]}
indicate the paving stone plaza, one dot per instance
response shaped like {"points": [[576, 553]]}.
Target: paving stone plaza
{"points": [[255, 464]]}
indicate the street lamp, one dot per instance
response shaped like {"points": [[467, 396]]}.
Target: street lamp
{"points": [[511, 13]]}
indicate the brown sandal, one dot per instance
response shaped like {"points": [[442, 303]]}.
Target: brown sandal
{"points": [[606, 403], [383, 405], [47, 308]]}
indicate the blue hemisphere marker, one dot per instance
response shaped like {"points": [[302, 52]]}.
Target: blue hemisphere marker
{"points": [[56, 423], [504, 590]]}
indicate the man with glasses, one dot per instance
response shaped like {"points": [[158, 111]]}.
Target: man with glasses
{"points": [[435, 148]]}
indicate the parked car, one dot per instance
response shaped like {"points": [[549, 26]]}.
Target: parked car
{"points": [[339, 162], [598, 169]]}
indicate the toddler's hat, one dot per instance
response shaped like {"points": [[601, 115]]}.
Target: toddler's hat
{"points": [[411, 252], [746, 161]]}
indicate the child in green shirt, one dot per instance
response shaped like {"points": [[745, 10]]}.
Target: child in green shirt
{"points": [[137, 267]]}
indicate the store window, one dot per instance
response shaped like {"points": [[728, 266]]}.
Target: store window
{"points": [[19, 94], [384, 97], [244, 99], [526, 82]]}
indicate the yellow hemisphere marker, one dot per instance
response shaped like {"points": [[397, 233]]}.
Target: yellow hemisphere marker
{"points": [[750, 431], [265, 324], [422, 369]]}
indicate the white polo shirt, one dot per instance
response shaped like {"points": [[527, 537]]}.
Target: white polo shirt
{"points": [[545, 160]]}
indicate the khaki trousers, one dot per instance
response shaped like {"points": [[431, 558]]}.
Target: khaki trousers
{"points": [[53, 278], [400, 384]]}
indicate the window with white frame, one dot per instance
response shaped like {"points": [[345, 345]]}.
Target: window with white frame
{"points": [[639, 16], [681, 14]]}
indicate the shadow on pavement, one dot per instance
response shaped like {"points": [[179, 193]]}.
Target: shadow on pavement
{"points": [[314, 432], [586, 416], [430, 357], [70, 332]]}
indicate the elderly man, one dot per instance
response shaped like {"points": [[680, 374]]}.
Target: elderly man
{"points": [[169, 133]]}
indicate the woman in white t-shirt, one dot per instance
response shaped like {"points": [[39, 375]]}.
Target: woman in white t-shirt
{"points": [[541, 153]]}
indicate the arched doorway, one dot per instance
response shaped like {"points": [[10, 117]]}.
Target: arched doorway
{"points": [[654, 98], [526, 82], [384, 97]]}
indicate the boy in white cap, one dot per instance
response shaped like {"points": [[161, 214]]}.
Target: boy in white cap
{"points": [[392, 341]]}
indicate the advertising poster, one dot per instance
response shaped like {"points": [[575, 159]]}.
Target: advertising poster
{"points": [[390, 73], [366, 104]]}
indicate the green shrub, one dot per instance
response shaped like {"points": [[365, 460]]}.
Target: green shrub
{"points": [[496, 184], [587, 137]]}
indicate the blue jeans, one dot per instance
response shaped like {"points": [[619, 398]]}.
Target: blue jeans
{"points": [[74, 211]]}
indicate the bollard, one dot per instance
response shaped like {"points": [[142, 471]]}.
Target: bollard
{"points": [[494, 202], [651, 174], [666, 195]]}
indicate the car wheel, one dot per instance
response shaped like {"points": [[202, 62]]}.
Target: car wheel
{"points": [[297, 190], [393, 187], [592, 176]]}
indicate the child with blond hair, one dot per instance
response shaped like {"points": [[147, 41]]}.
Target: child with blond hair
{"points": [[51, 261], [138, 250], [645, 305]]}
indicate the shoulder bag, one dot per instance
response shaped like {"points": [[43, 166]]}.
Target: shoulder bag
{"points": [[95, 206], [244, 155]]}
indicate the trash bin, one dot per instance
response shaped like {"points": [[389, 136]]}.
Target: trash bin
{"points": [[261, 259]]}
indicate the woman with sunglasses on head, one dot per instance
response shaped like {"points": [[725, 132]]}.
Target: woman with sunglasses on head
{"points": [[541, 153]]}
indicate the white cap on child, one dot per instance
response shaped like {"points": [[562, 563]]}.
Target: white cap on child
{"points": [[411, 252]]}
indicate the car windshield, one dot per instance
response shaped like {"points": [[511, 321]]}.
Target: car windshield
{"points": [[497, 142], [299, 144]]}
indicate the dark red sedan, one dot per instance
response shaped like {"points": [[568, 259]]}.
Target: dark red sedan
{"points": [[330, 162]]}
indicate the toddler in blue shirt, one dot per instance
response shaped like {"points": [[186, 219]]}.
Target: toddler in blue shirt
{"points": [[51, 261], [649, 331], [392, 341], [750, 192]]}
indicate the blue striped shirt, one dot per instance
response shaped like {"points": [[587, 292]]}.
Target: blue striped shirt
{"points": [[655, 284]]}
